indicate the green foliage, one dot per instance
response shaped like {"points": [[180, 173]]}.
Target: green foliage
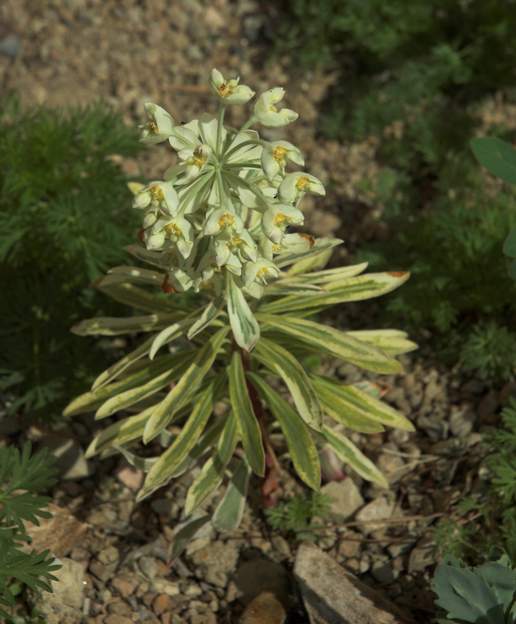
{"points": [[414, 74], [296, 515], [22, 477], [62, 222], [481, 595], [484, 525]]}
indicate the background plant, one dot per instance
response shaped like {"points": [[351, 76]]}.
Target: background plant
{"points": [[416, 77], [23, 476], [235, 321], [61, 224]]}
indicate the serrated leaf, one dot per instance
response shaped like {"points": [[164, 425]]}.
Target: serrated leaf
{"points": [[466, 596], [174, 456], [355, 288], [209, 314], [246, 330], [497, 156], [248, 425], [185, 387], [348, 453], [351, 400], [212, 473], [283, 363], [391, 341], [301, 446], [333, 342], [229, 511]]}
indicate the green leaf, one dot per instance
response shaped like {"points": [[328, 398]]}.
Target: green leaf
{"points": [[119, 367], [355, 288], [391, 341], [185, 387], [332, 275], [212, 473], [350, 400], [229, 511], [210, 313], [185, 532], [334, 408], [497, 156], [246, 330], [135, 395], [165, 337], [160, 259], [111, 326], [347, 452], [321, 245], [135, 275], [145, 372], [242, 407], [138, 298], [334, 342], [509, 246], [302, 449], [168, 463], [466, 596], [283, 363]]}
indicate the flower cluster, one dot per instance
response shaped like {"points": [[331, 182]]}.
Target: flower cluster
{"points": [[226, 204]]}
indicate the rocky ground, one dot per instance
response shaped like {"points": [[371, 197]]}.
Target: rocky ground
{"points": [[116, 555]]}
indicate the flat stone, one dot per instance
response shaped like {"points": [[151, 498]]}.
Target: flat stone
{"points": [[125, 585], [216, 560], [374, 512], [58, 534], [346, 498], [333, 596], [63, 605], [265, 608]]}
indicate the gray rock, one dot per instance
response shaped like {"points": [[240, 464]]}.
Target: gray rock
{"points": [[377, 510], [346, 498], [10, 46], [333, 596], [216, 561], [63, 605]]}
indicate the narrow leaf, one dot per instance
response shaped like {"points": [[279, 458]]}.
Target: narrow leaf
{"points": [[347, 452], [284, 364], [246, 330], [212, 473], [248, 426], [210, 312], [166, 336], [229, 512], [302, 449], [334, 342], [111, 326], [391, 341], [321, 245], [185, 387]]}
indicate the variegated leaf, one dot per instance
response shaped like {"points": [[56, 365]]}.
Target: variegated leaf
{"points": [[246, 330], [166, 466], [390, 341], [139, 298], [212, 473], [347, 452], [185, 387], [307, 260], [334, 342], [301, 446], [229, 511], [210, 313], [248, 425], [284, 364], [361, 404]]}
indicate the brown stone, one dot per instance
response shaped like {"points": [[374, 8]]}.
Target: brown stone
{"points": [[162, 603], [59, 534], [265, 608]]}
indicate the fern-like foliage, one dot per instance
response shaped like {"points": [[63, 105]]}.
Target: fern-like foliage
{"points": [[23, 476], [296, 514], [425, 69], [63, 220]]}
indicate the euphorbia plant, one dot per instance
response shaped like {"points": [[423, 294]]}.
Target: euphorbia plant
{"points": [[229, 306]]}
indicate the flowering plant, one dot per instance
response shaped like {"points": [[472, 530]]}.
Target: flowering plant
{"points": [[238, 291]]}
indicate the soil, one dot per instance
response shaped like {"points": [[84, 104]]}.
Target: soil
{"points": [[58, 53]]}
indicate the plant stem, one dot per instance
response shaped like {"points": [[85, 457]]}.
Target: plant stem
{"points": [[272, 466]]}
